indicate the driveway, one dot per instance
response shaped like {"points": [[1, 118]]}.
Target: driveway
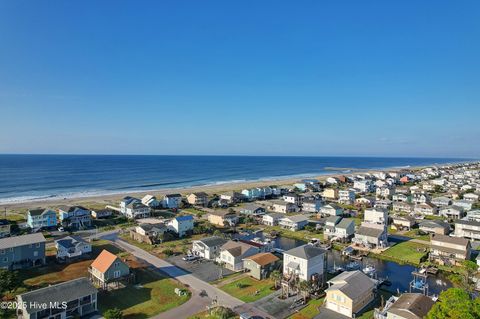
{"points": [[203, 269]]}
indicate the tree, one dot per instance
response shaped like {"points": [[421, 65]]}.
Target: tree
{"points": [[221, 312], [217, 233], [455, 303], [304, 288], [276, 276], [113, 313], [9, 281]]}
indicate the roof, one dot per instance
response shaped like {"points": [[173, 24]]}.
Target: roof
{"points": [[344, 223], [70, 209], [369, 231], [450, 240], [263, 259], [23, 240], [200, 194], [333, 219], [221, 213], [70, 241], [236, 248], [467, 222], [39, 211], [411, 306], [252, 206], [173, 195], [213, 241], [296, 218], [184, 218], [306, 252], [434, 223], [352, 283], [103, 262], [274, 215], [63, 292]]}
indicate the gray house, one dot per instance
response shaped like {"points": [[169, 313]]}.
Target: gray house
{"points": [[108, 269], [74, 298], [261, 265], [22, 251]]}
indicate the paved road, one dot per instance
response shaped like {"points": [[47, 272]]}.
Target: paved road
{"points": [[197, 303]]}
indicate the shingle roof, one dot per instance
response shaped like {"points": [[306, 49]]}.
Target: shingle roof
{"points": [[38, 211], [369, 231], [305, 252], [184, 218], [450, 240], [23, 240], [411, 306], [213, 241], [103, 262], [352, 283], [236, 248], [263, 258], [63, 292], [344, 223]]}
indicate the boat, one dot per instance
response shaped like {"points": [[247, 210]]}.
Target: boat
{"points": [[369, 270], [348, 251], [335, 269], [314, 242], [352, 265], [326, 246]]}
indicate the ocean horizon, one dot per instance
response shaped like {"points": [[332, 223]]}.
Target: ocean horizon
{"points": [[26, 178]]}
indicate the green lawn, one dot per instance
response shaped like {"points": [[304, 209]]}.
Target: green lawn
{"points": [[248, 289], [151, 295], [406, 252], [310, 311], [414, 234]]}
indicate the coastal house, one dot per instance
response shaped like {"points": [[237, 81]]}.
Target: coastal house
{"points": [[452, 212], [22, 251], [252, 194], [251, 209], [101, 213], [330, 193], [434, 227], [305, 262], [331, 210], [403, 222], [383, 204], [136, 209], [232, 254], [5, 228], [126, 201], [385, 191], [281, 206], [376, 216], [425, 209], [441, 201], [232, 197], [467, 229], [181, 225], [364, 186], [349, 293], [346, 196], [400, 197], [41, 218], [272, 219], [108, 269], [465, 204], [407, 306], [151, 201], [293, 223], [149, 233], [473, 215], [198, 199], [371, 236], [420, 198], [75, 217], [72, 247], [447, 250], [223, 218], [172, 201], [338, 228], [73, 298], [402, 207], [261, 265], [208, 248], [292, 198], [471, 197], [365, 201], [311, 205]]}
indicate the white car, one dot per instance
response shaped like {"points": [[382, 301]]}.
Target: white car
{"points": [[61, 229], [189, 258]]}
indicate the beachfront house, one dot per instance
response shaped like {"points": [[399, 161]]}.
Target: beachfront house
{"points": [[293, 223], [208, 248], [101, 213], [434, 227], [75, 217], [172, 201], [22, 251], [467, 229], [292, 198], [349, 293], [402, 207], [72, 247], [232, 254], [41, 218], [272, 219], [232, 197], [281, 206], [364, 186], [136, 209], [223, 218], [331, 210], [108, 269], [311, 205], [305, 262], [198, 199], [261, 265], [447, 250], [181, 225], [125, 201], [151, 201], [78, 295], [5, 228]]}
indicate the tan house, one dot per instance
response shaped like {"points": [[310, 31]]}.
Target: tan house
{"points": [[330, 193], [434, 227], [402, 222], [349, 292], [447, 250], [199, 199], [222, 218]]}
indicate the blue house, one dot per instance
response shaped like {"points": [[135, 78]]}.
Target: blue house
{"points": [[41, 218]]}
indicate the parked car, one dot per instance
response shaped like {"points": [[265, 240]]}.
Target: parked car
{"points": [[189, 258]]}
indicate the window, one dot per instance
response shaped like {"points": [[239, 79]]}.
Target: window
{"points": [[35, 253], [37, 245], [116, 274], [2, 251]]}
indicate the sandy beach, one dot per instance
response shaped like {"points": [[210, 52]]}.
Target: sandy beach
{"points": [[100, 201]]}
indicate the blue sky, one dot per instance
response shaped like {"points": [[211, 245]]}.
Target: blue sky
{"points": [[391, 78]]}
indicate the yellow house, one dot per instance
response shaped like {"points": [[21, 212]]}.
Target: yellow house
{"points": [[349, 292], [330, 193], [222, 218]]}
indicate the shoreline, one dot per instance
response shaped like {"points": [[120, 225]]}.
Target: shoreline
{"points": [[113, 199]]}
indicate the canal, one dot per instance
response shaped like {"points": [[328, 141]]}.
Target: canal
{"points": [[399, 275]]}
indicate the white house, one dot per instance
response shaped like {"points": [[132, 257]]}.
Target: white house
{"points": [[272, 219], [136, 209], [376, 216], [72, 246], [293, 223], [151, 201], [331, 210], [172, 201], [364, 186], [312, 205], [280, 206], [304, 262], [441, 201], [346, 196], [181, 224], [453, 212], [208, 248], [232, 254]]}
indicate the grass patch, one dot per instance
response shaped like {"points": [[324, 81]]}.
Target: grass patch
{"points": [[248, 289], [310, 311], [406, 252], [151, 295]]}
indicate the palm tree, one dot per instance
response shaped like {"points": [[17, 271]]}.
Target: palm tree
{"points": [[276, 276], [304, 288]]}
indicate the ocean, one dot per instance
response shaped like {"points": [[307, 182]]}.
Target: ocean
{"points": [[33, 177]]}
